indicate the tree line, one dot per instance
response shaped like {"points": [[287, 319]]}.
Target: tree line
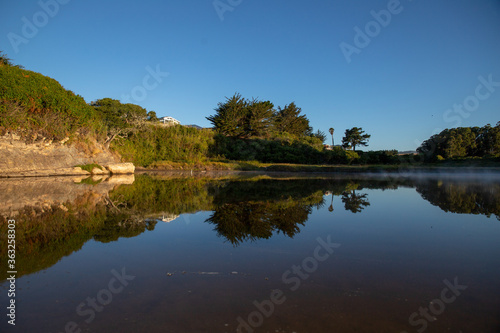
{"points": [[462, 142], [238, 117], [243, 118]]}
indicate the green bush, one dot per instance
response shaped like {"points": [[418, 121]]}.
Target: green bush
{"points": [[351, 156], [303, 151], [159, 143], [33, 102], [379, 157]]}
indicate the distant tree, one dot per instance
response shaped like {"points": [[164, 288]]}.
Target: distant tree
{"points": [[462, 142], [152, 116], [355, 137], [320, 135], [289, 119], [331, 130], [4, 60], [230, 116], [258, 117], [488, 140], [120, 119]]}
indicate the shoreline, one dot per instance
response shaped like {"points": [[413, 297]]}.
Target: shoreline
{"points": [[259, 168]]}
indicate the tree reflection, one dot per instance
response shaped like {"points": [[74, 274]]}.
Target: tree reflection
{"points": [[239, 222], [330, 208], [121, 225], [244, 208], [354, 202], [462, 198]]}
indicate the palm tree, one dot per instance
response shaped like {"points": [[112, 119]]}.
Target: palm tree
{"points": [[330, 209], [331, 130]]}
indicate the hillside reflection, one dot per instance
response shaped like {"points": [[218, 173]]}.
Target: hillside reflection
{"points": [[56, 217]]}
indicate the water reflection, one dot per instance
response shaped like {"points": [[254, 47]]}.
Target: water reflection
{"points": [[253, 220], [58, 216], [352, 201], [468, 198]]}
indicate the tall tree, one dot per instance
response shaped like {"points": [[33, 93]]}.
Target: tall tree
{"points": [[460, 142], [258, 117], [355, 137], [331, 130], [289, 119], [488, 140], [230, 116], [120, 119], [320, 135]]}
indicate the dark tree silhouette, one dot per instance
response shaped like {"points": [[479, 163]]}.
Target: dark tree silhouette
{"points": [[354, 202]]}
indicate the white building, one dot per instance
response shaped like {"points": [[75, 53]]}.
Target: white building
{"points": [[169, 121], [169, 217]]}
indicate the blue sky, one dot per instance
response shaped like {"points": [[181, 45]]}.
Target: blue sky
{"points": [[400, 85]]}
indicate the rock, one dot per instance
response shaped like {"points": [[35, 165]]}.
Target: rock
{"points": [[98, 171], [120, 168], [121, 179], [78, 180], [98, 178], [45, 158], [78, 171]]}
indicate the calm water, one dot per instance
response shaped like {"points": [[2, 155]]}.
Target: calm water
{"points": [[255, 253]]}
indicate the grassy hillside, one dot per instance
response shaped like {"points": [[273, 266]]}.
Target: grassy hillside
{"points": [[156, 143], [33, 103]]}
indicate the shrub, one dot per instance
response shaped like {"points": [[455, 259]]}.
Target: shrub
{"points": [[157, 143], [32, 102]]}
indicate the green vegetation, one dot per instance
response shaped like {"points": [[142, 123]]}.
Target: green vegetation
{"points": [[246, 133], [243, 209], [242, 118], [33, 103], [89, 167], [468, 198], [156, 143], [355, 137], [121, 120], [4, 60], [44, 236], [462, 143]]}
